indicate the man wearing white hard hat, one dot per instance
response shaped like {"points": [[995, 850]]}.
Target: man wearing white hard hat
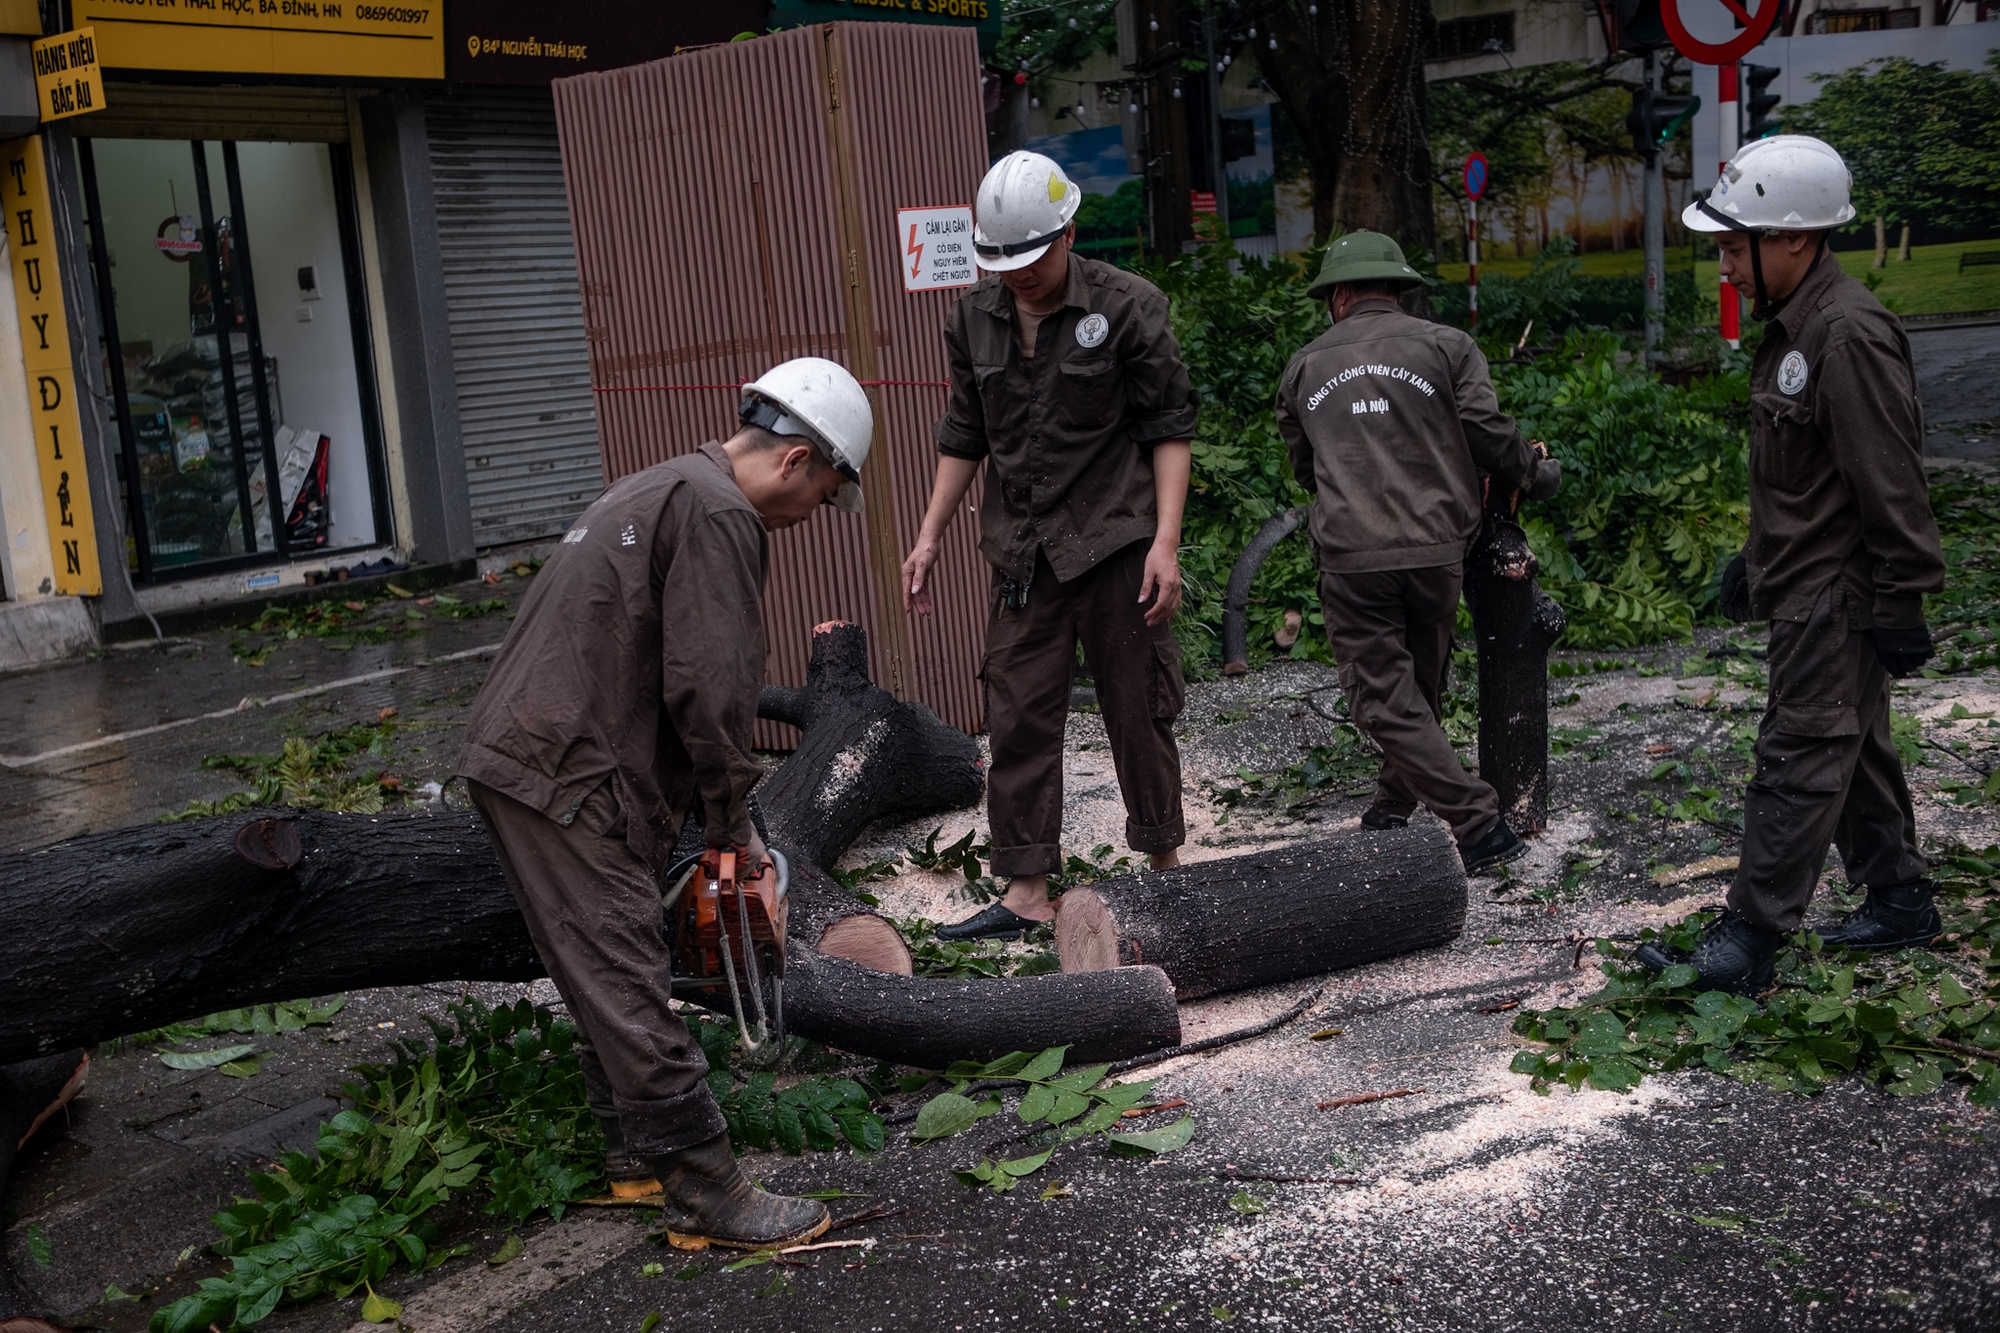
{"points": [[625, 693], [1843, 546], [1066, 382]]}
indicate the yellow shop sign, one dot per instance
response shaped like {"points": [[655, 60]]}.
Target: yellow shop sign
{"points": [[329, 38], [68, 81], [52, 400]]}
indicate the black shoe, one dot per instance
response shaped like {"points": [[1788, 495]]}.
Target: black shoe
{"points": [[1498, 847], [1733, 956], [1376, 817], [1901, 916], [996, 920], [709, 1201]]}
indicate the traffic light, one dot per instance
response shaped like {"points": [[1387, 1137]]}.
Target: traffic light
{"points": [[1640, 27], [1658, 117], [1761, 102]]}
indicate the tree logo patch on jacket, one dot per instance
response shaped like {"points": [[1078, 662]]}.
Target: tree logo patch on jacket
{"points": [[1092, 330], [1792, 373]]}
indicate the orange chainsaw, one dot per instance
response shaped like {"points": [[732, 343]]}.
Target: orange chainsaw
{"points": [[728, 932]]}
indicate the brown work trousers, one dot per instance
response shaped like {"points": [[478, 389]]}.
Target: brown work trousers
{"points": [[1827, 771], [1391, 635], [1030, 667], [593, 911]]}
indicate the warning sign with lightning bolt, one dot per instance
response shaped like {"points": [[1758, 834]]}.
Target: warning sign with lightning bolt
{"points": [[937, 248]]}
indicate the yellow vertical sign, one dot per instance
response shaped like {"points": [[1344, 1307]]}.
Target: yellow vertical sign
{"points": [[52, 398]]}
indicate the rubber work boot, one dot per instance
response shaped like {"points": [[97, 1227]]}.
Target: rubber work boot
{"points": [[629, 1177], [1733, 956], [709, 1201], [1901, 916], [1498, 847], [1375, 817]]}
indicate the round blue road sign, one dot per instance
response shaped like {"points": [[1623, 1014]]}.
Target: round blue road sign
{"points": [[1475, 175]]}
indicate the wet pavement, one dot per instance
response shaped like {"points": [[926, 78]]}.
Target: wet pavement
{"points": [[1469, 1203], [1957, 369]]}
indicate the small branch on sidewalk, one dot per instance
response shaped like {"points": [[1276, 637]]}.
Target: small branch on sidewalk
{"points": [[1368, 1097]]}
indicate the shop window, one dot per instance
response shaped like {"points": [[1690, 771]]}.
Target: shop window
{"points": [[248, 426], [1849, 20]]}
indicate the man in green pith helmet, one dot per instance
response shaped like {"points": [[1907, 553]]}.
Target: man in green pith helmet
{"points": [[1390, 419]]}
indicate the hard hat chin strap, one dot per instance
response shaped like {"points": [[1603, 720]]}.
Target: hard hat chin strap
{"points": [[1760, 305], [1012, 248]]}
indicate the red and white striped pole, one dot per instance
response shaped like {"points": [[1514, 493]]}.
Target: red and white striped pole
{"points": [[1726, 135], [1472, 263]]}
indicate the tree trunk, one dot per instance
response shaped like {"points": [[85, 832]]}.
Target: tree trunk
{"points": [[862, 756], [1351, 78], [1903, 250], [1881, 241], [1514, 623], [931, 1021], [1271, 916]]}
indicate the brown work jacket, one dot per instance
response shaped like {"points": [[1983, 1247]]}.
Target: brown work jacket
{"points": [[1837, 486], [1069, 434], [637, 656], [1388, 419]]}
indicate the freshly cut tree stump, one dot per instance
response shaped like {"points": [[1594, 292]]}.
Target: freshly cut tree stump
{"points": [[1271, 916], [930, 1021], [1514, 623]]}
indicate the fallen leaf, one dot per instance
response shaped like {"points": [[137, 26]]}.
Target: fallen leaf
{"points": [[387, 712], [400, 592], [204, 1059], [491, 577], [1246, 1203], [652, 1270], [510, 1248], [650, 1322], [427, 601], [1056, 1189], [379, 1309], [1154, 1142], [1660, 749], [1325, 1034]]}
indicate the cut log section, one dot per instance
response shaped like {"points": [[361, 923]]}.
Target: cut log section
{"points": [[1266, 917], [930, 1021]]}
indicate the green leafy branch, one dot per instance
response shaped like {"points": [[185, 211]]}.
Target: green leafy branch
{"points": [[1067, 1106], [1908, 1021]]}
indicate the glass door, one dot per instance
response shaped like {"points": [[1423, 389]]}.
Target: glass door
{"points": [[233, 432]]}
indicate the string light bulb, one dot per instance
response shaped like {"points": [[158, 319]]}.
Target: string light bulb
{"points": [[1274, 43], [1154, 24], [1253, 33]]}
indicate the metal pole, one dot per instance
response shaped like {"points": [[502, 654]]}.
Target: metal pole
{"points": [[1655, 229], [1727, 135], [1220, 176], [1472, 263]]}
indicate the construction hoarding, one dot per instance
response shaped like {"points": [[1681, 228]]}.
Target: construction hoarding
{"points": [[737, 206]]}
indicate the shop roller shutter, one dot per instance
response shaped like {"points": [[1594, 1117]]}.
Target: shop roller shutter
{"points": [[524, 397]]}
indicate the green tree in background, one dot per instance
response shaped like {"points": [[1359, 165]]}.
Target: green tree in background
{"points": [[1920, 140]]}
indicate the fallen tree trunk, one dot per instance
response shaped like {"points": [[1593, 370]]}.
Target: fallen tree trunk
{"points": [[931, 1021], [1514, 623], [1271, 916]]}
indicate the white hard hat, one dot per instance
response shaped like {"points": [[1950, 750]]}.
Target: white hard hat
{"points": [[1788, 182], [1024, 203], [818, 399]]}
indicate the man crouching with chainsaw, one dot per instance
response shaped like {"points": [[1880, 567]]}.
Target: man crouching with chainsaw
{"points": [[628, 686]]}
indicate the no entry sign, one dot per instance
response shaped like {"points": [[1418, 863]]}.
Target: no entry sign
{"points": [[1475, 175], [1755, 27]]}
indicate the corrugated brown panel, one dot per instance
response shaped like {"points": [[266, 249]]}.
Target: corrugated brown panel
{"points": [[709, 244]]}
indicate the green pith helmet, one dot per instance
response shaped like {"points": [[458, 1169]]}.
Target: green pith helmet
{"points": [[1362, 256]]}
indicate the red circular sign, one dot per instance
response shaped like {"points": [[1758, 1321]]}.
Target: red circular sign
{"points": [[1755, 28], [1475, 175]]}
